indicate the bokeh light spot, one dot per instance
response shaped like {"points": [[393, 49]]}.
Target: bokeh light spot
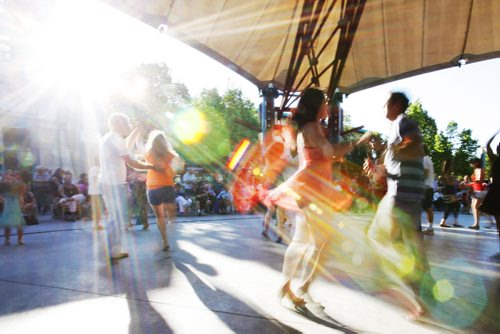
{"points": [[190, 126], [256, 171], [407, 265], [443, 290]]}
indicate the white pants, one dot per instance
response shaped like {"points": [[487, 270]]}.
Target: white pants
{"points": [[183, 203]]}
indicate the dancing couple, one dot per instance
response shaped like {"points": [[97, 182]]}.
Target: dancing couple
{"points": [[115, 155]]}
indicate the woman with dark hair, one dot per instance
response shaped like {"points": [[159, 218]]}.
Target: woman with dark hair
{"points": [[491, 203], [160, 181], [310, 194], [478, 191]]}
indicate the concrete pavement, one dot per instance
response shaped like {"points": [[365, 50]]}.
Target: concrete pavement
{"points": [[221, 277]]}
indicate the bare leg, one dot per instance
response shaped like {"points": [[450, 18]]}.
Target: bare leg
{"points": [[20, 236], [160, 222], [475, 203], [295, 253], [7, 236], [170, 212], [321, 233], [430, 216]]}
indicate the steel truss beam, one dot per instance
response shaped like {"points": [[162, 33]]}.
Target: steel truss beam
{"points": [[307, 33]]}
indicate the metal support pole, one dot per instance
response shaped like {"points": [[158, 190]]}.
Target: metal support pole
{"points": [[268, 94]]}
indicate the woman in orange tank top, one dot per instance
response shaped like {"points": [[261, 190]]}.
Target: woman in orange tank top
{"points": [[160, 181]]}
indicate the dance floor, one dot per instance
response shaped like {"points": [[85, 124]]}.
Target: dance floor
{"points": [[221, 277]]}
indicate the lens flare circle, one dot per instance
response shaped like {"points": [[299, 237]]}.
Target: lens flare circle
{"points": [[190, 126], [443, 290]]}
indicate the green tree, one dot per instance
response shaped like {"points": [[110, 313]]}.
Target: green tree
{"points": [[222, 133], [443, 150], [153, 96], [427, 126], [465, 152], [453, 135], [232, 106], [236, 107]]}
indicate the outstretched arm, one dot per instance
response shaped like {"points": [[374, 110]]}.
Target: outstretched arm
{"points": [[489, 150]]}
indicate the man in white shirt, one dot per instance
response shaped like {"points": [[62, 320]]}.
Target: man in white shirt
{"points": [[114, 156], [188, 180], [429, 193]]}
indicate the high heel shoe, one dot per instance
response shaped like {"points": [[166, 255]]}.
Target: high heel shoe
{"points": [[306, 297], [265, 236], [289, 300], [473, 227]]}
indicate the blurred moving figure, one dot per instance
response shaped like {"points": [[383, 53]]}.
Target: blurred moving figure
{"points": [[394, 231], [491, 203], [310, 194], [114, 156]]}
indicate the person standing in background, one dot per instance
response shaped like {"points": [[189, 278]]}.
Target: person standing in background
{"points": [[491, 203], [429, 192], [96, 201], [478, 191]]}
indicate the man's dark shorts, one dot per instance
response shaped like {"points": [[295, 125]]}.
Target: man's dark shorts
{"points": [[163, 195], [428, 199]]}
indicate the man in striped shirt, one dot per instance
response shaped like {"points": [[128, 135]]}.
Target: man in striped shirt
{"points": [[394, 232]]}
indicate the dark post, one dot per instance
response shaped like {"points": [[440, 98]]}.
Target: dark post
{"points": [[335, 119], [267, 111]]}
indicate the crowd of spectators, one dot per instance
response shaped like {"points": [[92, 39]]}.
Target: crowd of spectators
{"points": [[198, 192], [57, 193]]}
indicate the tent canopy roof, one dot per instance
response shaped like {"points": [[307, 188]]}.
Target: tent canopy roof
{"points": [[395, 39]]}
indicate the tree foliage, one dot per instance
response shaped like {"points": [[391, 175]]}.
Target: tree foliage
{"points": [[450, 144], [163, 104], [465, 152], [427, 124]]}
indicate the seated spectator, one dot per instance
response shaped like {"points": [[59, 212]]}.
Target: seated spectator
{"points": [[29, 206], [70, 195], [224, 201], [83, 186], [205, 199], [55, 182], [183, 203]]}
